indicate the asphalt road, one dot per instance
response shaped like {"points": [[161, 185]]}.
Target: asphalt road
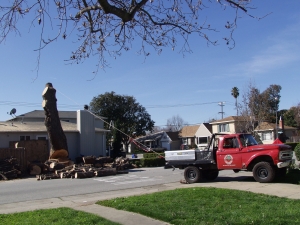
{"points": [[30, 189]]}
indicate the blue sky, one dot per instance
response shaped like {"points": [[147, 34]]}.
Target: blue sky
{"points": [[266, 52]]}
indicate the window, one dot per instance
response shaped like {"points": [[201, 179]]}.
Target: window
{"points": [[231, 143], [41, 137], [202, 140], [266, 136], [24, 138], [223, 127]]}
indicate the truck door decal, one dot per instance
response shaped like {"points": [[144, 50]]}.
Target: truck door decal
{"points": [[228, 159]]}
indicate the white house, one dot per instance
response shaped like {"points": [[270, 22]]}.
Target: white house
{"points": [[267, 131], [84, 132], [232, 124], [203, 135], [196, 135]]}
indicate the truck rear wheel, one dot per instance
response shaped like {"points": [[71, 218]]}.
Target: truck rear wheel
{"points": [[192, 174], [263, 172], [210, 174]]}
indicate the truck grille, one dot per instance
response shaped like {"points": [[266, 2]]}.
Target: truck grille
{"points": [[284, 155]]}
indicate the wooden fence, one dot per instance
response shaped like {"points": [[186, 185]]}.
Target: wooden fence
{"points": [[26, 151]]}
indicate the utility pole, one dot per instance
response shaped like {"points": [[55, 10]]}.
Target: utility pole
{"points": [[221, 104]]}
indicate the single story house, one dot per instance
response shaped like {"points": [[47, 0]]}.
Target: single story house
{"points": [[84, 132], [196, 135], [267, 131], [203, 135], [162, 139]]}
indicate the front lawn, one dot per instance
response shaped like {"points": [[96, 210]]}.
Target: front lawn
{"points": [[59, 216], [211, 206]]}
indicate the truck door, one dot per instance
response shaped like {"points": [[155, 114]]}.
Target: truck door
{"points": [[228, 154]]}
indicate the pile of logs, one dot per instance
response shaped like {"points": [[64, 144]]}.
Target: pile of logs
{"points": [[9, 168], [89, 166]]}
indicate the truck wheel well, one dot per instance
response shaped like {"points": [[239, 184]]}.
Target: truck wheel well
{"points": [[263, 158]]}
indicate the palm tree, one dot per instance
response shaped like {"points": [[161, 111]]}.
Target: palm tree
{"points": [[235, 93]]}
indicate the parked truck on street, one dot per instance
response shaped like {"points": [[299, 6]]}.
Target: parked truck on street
{"points": [[237, 152]]}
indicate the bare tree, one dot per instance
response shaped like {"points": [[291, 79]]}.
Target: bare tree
{"points": [[109, 27], [175, 123]]}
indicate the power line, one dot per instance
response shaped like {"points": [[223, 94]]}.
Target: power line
{"points": [[27, 104]]}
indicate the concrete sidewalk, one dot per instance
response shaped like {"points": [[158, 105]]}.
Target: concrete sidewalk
{"points": [[87, 202]]}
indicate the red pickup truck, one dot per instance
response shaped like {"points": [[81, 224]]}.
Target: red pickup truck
{"points": [[235, 152]]}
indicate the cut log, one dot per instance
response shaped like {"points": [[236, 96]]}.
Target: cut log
{"points": [[89, 159], [48, 176], [105, 172], [3, 177], [88, 174], [57, 166], [34, 169], [55, 154]]}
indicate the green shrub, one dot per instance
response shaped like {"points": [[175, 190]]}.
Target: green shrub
{"points": [[297, 151], [292, 144], [152, 162], [153, 155], [194, 146]]}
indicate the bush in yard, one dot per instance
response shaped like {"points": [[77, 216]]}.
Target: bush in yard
{"points": [[153, 155], [292, 144], [152, 162], [297, 151]]}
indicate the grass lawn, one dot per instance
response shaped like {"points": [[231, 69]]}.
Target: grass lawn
{"points": [[211, 206], [59, 216]]}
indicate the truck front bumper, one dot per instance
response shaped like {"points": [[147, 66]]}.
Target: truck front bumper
{"points": [[284, 164]]}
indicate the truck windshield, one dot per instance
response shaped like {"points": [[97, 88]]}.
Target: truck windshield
{"points": [[247, 140]]}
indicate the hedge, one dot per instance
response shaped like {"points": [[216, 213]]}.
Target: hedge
{"points": [[152, 162], [292, 144], [297, 151], [153, 155]]}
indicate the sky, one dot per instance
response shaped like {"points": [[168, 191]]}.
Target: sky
{"points": [[267, 51]]}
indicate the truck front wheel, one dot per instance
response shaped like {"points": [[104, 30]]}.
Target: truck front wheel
{"points": [[192, 174], [263, 172]]}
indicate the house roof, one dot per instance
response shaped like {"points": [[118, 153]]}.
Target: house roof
{"points": [[208, 126], [271, 126], [37, 127], [188, 131], [173, 135], [41, 114], [231, 119], [151, 137]]}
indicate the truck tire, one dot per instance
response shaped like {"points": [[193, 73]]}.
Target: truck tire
{"points": [[192, 174], [263, 172], [210, 174]]}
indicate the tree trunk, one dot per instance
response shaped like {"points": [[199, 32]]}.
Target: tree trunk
{"points": [[57, 138]]}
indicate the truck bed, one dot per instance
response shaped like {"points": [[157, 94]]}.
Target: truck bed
{"points": [[188, 157]]}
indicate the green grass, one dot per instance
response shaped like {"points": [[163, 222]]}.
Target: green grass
{"points": [[211, 206], [59, 216]]}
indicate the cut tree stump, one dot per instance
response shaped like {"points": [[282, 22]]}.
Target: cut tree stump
{"points": [[57, 137]]}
